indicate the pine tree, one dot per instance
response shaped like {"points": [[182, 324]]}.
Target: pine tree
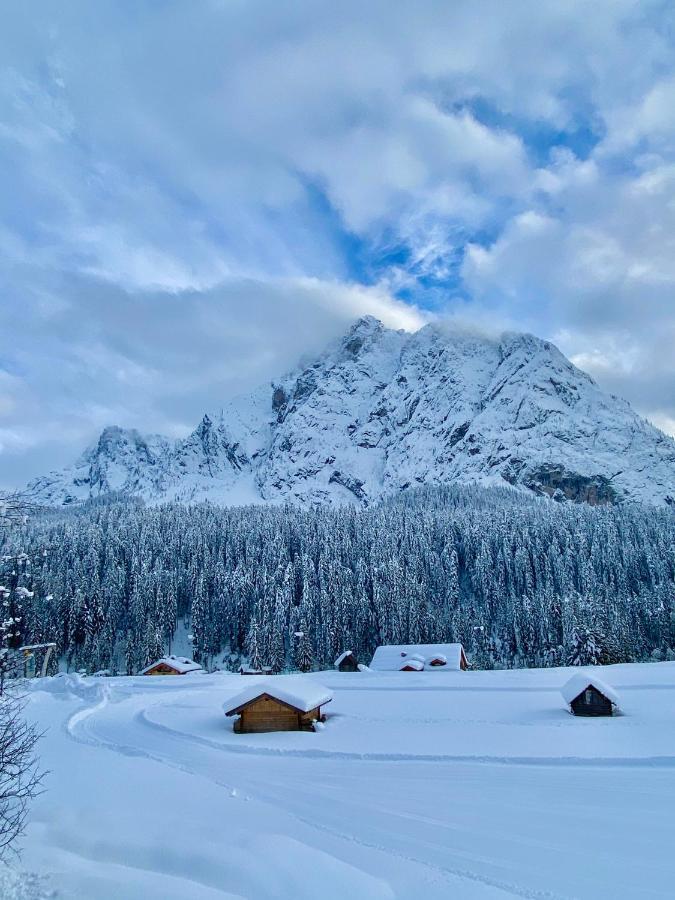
{"points": [[586, 648], [253, 647], [277, 655], [302, 649], [432, 562]]}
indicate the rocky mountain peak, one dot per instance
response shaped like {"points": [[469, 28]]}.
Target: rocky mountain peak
{"points": [[381, 411]]}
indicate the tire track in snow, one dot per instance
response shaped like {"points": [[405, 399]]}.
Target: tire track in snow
{"points": [[78, 730], [478, 689], [538, 761], [508, 888]]}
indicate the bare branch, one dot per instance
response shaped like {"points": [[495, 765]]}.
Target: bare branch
{"points": [[15, 508], [20, 777]]}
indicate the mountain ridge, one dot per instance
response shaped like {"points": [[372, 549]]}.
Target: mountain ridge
{"points": [[383, 410]]}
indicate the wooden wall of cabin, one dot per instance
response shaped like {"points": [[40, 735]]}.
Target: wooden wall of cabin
{"points": [[265, 714], [162, 670], [348, 665], [591, 703]]}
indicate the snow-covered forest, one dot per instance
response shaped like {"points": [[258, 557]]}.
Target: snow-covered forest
{"points": [[519, 580]]}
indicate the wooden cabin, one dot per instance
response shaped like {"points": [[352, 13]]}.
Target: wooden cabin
{"points": [[586, 695], [405, 658], [172, 665], [347, 662], [438, 659], [412, 664], [248, 670], [288, 703]]}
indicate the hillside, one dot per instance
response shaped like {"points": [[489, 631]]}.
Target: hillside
{"points": [[380, 411], [517, 579]]}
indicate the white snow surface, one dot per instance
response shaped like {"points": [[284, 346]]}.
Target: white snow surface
{"points": [[412, 662], [471, 785], [180, 663], [301, 693], [579, 682], [384, 410], [390, 657]]}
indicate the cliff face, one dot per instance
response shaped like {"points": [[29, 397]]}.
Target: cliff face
{"points": [[381, 411]]}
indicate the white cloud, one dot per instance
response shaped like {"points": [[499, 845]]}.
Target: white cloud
{"points": [[158, 360], [592, 267], [665, 423], [190, 194]]}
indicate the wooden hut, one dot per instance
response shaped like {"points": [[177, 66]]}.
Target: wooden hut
{"points": [[586, 695], [404, 657], [287, 703], [412, 664], [347, 662], [172, 665]]}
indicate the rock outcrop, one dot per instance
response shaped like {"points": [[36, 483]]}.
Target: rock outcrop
{"points": [[381, 411]]}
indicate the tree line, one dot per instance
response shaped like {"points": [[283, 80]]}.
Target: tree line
{"points": [[520, 581]]}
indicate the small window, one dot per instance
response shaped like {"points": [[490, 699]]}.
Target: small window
{"points": [[588, 695]]}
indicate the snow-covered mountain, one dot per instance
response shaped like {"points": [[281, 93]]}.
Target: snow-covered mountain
{"points": [[383, 410]]}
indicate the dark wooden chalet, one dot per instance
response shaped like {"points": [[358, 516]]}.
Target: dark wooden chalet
{"points": [[347, 662], [288, 703], [586, 695]]}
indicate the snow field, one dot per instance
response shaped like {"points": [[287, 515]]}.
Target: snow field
{"points": [[435, 784]]}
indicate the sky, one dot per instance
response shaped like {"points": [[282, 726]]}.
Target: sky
{"points": [[195, 195]]}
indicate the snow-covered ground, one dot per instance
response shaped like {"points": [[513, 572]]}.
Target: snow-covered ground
{"points": [[476, 786]]}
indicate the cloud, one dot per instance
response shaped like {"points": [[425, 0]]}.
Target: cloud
{"points": [[592, 267], [156, 360], [188, 156], [193, 195]]}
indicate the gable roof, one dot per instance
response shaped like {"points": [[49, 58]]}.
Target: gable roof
{"points": [[391, 657], [296, 691], [411, 662], [578, 684], [179, 663], [342, 657]]}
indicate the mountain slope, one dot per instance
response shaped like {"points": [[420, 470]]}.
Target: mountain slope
{"points": [[384, 410]]}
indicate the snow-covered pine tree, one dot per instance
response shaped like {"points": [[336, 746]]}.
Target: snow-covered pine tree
{"points": [[433, 561], [302, 648], [253, 648]]}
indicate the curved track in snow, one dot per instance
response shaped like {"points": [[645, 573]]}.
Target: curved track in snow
{"points": [[89, 726], [404, 802]]}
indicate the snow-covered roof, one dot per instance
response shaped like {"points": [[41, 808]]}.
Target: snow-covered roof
{"points": [[180, 663], [390, 658], [342, 657], [412, 663], [578, 684], [300, 692]]}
